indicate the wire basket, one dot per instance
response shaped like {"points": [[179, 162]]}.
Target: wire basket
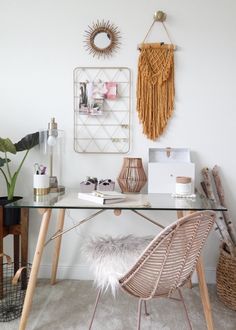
{"points": [[226, 278], [12, 289]]}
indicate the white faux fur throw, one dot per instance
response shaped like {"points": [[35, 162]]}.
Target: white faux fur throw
{"points": [[111, 258]]}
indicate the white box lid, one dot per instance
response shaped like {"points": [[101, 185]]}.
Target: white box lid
{"points": [[169, 155]]}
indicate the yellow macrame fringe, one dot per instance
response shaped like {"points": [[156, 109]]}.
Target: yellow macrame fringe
{"points": [[155, 88]]}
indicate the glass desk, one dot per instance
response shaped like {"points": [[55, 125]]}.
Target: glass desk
{"points": [[136, 203], [70, 200]]}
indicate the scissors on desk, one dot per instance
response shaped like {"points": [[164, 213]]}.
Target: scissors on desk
{"points": [[39, 169]]}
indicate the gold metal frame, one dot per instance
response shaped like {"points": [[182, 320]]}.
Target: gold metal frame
{"points": [[109, 133]]}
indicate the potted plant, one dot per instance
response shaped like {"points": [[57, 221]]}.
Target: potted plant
{"points": [[10, 177]]}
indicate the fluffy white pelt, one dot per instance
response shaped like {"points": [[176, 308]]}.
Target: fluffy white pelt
{"points": [[110, 258]]}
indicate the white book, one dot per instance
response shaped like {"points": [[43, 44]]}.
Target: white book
{"points": [[100, 200], [108, 194]]}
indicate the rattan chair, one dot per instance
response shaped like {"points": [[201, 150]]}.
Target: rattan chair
{"points": [[167, 263]]}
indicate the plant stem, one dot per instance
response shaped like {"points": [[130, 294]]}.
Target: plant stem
{"points": [[8, 167], [19, 168], [4, 175], [11, 187]]}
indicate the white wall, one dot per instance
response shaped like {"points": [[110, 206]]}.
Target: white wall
{"points": [[41, 42]]}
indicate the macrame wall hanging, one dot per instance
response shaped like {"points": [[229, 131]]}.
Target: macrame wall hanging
{"points": [[155, 84]]}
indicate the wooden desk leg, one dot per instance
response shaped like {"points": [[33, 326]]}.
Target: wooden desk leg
{"points": [[203, 291], [180, 214], [204, 294], [35, 268], [57, 246]]}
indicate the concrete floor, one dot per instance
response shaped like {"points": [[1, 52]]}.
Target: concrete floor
{"points": [[69, 305]]}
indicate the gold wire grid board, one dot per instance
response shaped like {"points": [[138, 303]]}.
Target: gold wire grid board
{"points": [[102, 109]]}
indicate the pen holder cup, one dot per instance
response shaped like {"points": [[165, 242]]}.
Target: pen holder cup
{"points": [[41, 184]]}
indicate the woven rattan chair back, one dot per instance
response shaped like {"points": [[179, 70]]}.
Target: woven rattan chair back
{"points": [[170, 259]]}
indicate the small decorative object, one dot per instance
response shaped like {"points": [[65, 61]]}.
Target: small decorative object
{"points": [[111, 93], [132, 177], [89, 185], [84, 93], [155, 85], [107, 184], [51, 145], [91, 97], [183, 185], [102, 39], [97, 107]]}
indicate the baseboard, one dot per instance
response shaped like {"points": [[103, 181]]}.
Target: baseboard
{"points": [[77, 272], [81, 272], [210, 275]]}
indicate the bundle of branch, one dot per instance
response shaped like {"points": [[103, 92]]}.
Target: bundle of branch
{"points": [[213, 189]]}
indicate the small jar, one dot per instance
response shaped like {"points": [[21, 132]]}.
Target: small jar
{"points": [[183, 185]]}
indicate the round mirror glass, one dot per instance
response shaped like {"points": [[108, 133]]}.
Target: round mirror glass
{"points": [[101, 40]]}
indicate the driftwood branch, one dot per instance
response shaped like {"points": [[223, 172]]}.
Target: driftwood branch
{"points": [[221, 195], [211, 192], [216, 225]]}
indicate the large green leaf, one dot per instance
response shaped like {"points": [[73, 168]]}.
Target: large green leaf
{"points": [[3, 161], [7, 146], [28, 142]]}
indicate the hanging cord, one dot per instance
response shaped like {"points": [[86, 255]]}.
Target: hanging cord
{"points": [[149, 30], [168, 35]]}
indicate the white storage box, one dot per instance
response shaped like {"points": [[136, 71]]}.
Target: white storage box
{"points": [[164, 165]]}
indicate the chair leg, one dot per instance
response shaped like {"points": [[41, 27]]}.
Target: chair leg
{"points": [[145, 308], [95, 308], [185, 309], [139, 313]]}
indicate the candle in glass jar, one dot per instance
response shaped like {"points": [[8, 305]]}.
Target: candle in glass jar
{"points": [[183, 185]]}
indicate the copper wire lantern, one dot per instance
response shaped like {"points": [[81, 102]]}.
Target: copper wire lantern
{"points": [[132, 177]]}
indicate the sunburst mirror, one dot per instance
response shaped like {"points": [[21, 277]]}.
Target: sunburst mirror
{"points": [[102, 39]]}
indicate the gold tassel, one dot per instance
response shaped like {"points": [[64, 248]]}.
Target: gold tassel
{"points": [[155, 88]]}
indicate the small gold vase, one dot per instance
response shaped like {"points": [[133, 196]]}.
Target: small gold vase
{"points": [[132, 177]]}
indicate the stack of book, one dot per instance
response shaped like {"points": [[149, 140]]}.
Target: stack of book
{"points": [[102, 197]]}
